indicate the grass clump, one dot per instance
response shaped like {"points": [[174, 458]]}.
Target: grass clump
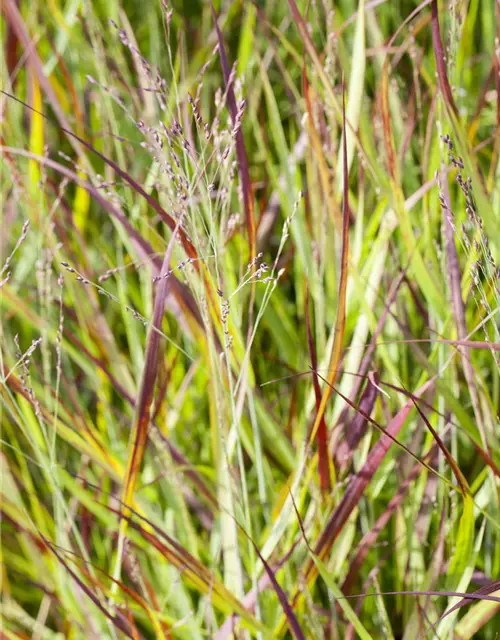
{"points": [[249, 348]]}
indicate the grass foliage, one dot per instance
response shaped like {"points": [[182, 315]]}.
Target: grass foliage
{"points": [[249, 348]]}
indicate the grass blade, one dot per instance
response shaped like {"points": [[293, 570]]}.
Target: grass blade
{"points": [[322, 436], [336, 353], [139, 434]]}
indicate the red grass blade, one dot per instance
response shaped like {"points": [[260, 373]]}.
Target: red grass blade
{"points": [[250, 600], [342, 298], [143, 409], [386, 122], [440, 61], [356, 429], [468, 598], [358, 485], [11, 50], [322, 437], [369, 539], [287, 607]]}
